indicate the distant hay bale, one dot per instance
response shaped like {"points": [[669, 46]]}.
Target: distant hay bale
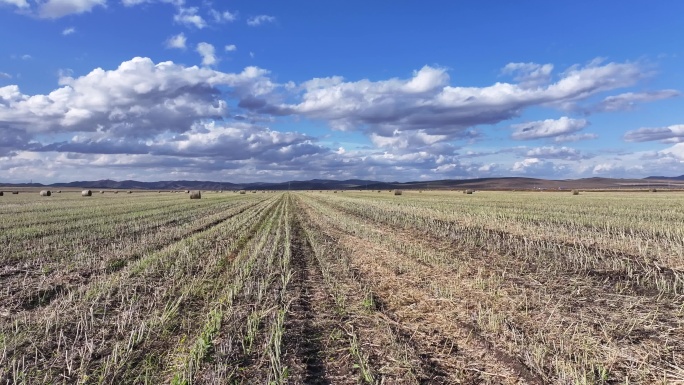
{"points": [[45, 193], [468, 192], [397, 192], [187, 191], [59, 191], [334, 192], [87, 193], [1, 193], [196, 195], [116, 192], [243, 192], [653, 190], [129, 192], [102, 192], [575, 192], [15, 192]]}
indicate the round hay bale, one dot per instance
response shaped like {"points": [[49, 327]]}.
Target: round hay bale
{"points": [[196, 195], [397, 192], [243, 192], [87, 193], [187, 191], [102, 192], [116, 192], [45, 193], [1, 193], [129, 192], [653, 190], [59, 191], [15, 192], [468, 191], [575, 192]]}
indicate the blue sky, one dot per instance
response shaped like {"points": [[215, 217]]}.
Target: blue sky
{"points": [[273, 90]]}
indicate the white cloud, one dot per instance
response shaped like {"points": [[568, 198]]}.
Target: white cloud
{"points": [[260, 19], [574, 137], [536, 167], [406, 139], [68, 31], [629, 100], [225, 16], [5, 75], [547, 128], [208, 54], [130, 3], [189, 17], [176, 41], [552, 152], [230, 48], [18, 3], [382, 107], [669, 133], [54, 9], [138, 99], [529, 75]]}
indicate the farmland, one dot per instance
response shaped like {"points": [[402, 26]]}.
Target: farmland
{"points": [[342, 288]]}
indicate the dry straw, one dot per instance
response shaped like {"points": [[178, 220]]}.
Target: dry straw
{"points": [[87, 193], [196, 195]]}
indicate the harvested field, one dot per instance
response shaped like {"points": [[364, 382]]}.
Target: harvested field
{"points": [[310, 288]]}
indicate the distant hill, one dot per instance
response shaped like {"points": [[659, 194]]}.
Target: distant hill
{"points": [[681, 177], [506, 183]]}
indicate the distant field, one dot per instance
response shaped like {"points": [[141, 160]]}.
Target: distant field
{"points": [[342, 288]]}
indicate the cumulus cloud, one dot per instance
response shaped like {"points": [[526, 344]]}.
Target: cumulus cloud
{"points": [[628, 101], [230, 48], [5, 75], [68, 31], [547, 128], [427, 101], [529, 75], [176, 41], [208, 54], [189, 17], [260, 19], [138, 99], [669, 133], [54, 9], [535, 167]]}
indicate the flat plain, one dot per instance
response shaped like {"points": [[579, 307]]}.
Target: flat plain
{"points": [[342, 287]]}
